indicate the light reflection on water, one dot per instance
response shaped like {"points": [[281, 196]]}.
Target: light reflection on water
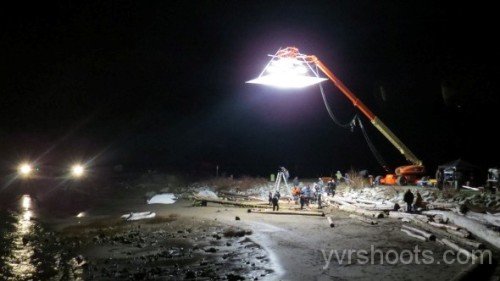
{"points": [[20, 261], [29, 252]]}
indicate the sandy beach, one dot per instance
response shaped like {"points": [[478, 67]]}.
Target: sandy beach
{"points": [[221, 242]]}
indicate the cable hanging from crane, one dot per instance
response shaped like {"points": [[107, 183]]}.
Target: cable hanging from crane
{"points": [[351, 124], [374, 151]]}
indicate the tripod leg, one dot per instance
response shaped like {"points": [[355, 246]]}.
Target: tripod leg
{"points": [[278, 181]]}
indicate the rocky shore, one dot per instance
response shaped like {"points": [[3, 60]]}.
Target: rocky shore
{"points": [[220, 242]]}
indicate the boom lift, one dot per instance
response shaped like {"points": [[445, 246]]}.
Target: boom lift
{"points": [[408, 174]]}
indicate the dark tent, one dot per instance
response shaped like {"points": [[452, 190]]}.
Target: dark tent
{"points": [[457, 173]]}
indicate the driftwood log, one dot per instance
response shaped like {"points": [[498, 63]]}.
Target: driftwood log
{"points": [[362, 204], [367, 213], [368, 201], [414, 235], [400, 215], [484, 218], [231, 202], [442, 206], [300, 213], [377, 207], [444, 226], [457, 248], [443, 233], [460, 232], [440, 219], [363, 219], [330, 222], [476, 228], [420, 232]]}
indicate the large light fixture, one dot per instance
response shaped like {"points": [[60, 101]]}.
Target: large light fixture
{"points": [[288, 69]]}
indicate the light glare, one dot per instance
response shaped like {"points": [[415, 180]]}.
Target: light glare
{"points": [[25, 169], [287, 81], [287, 73], [77, 170]]}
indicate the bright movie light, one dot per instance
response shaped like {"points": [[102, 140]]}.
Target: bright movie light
{"points": [[287, 81], [77, 170], [287, 72], [25, 169]]}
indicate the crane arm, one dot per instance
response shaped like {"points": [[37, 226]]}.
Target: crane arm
{"points": [[367, 112]]}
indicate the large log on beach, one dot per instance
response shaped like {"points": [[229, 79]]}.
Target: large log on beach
{"points": [[444, 226], [423, 233], [367, 213], [442, 206], [230, 202], [476, 228], [374, 207], [484, 218], [300, 213], [409, 233], [443, 233], [367, 201], [460, 232], [342, 200], [457, 248], [401, 215]]}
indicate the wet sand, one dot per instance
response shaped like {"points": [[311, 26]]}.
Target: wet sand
{"points": [[218, 242]]}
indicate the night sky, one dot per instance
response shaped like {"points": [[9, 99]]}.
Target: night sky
{"points": [[161, 84]]}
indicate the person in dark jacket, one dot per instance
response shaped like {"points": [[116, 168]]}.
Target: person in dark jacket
{"points": [[419, 201], [408, 198], [276, 200], [331, 187]]}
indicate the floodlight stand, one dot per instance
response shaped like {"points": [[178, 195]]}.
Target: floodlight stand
{"points": [[277, 183]]}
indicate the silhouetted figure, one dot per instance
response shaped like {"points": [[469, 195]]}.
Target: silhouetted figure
{"points": [[276, 200], [408, 198], [419, 201], [302, 201]]}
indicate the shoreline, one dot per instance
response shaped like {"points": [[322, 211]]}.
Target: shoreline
{"points": [[220, 241]]}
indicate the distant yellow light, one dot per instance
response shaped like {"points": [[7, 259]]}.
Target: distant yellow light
{"points": [[77, 170], [25, 169]]}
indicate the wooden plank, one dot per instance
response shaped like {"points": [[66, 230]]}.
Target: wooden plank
{"points": [[300, 213], [230, 202]]}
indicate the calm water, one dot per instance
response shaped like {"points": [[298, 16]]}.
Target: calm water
{"points": [[28, 251]]}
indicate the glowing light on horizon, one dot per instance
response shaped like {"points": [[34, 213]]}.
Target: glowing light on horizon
{"points": [[25, 169], [77, 170]]}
